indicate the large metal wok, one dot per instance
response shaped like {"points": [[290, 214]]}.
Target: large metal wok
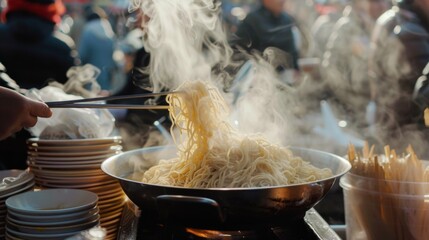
{"points": [[219, 207]]}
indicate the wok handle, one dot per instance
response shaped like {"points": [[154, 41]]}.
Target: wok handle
{"points": [[189, 208]]}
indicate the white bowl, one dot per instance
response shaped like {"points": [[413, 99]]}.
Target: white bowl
{"points": [[55, 218], [19, 235], [60, 227], [59, 223], [52, 201], [54, 229]]}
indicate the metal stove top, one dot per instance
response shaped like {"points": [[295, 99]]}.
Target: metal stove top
{"points": [[312, 226]]}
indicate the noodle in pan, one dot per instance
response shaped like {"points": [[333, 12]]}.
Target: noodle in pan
{"points": [[212, 154]]}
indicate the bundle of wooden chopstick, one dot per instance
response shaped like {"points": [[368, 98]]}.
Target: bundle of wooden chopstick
{"points": [[390, 166], [389, 199]]}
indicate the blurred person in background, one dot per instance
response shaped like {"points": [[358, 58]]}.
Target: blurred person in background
{"points": [[345, 62], [31, 48], [138, 126], [304, 13], [34, 52], [323, 26], [421, 96], [400, 51], [269, 27], [75, 12], [97, 45]]}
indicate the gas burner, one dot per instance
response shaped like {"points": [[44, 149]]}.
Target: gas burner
{"points": [[221, 235], [312, 226]]}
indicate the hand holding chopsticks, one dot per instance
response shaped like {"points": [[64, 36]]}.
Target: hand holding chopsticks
{"points": [[86, 102]]}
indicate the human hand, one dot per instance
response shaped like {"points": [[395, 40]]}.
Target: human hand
{"points": [[18, 111]]}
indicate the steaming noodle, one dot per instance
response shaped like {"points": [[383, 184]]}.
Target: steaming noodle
{"points": [[212, 154]]}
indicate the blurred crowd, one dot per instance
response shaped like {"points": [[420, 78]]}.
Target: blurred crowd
{"points": [[366, 58], [365, 62]]}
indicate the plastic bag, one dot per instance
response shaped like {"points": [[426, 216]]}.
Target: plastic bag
{"points": [[95, 233], [70, 123]]}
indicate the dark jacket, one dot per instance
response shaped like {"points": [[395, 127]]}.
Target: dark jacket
{"points": [[33, 52], [261, 30], [13, 148], [421, 93], [400, 53]]}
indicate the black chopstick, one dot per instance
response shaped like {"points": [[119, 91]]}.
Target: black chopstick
{"points": [[67, 102]]}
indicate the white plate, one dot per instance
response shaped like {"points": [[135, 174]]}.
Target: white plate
{"points": [[56, 162], [108, 214], [52, 201], [69, 173], [74, 180], [105, 188], [113, 216], [72, 148], [10, 237], [72, 185], [28, 187], [70, 158], [68, 142], [22, 178], [115, 150], [110, 223], [34, 165], [55, 218], [47, 177], [109, 209], [108, 195], [115, 200], [102, 195]]}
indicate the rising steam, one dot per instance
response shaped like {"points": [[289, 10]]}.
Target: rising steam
{"points": [[185, 39], [187, 42]]}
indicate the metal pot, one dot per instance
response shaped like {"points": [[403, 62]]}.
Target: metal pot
{"points": [[220, 207]]}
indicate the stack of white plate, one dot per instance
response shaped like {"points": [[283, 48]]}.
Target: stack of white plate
{"points": [[51, 214], [76, 164], [12, 182]]}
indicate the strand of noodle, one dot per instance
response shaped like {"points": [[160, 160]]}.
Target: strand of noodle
{"points": [[212, 154]]}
